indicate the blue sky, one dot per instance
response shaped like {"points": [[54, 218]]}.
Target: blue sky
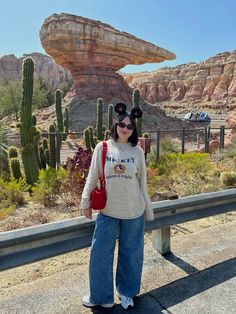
{"points": [[193, 29]]}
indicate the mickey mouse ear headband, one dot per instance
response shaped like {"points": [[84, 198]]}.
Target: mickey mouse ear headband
{"points": [[136, 112], [120, 108]]}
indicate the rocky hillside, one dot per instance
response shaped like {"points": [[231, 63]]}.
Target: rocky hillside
{"points": [[45, 67], [211, 83]]}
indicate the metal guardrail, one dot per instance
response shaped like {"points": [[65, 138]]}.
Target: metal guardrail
{"points": [[23, 246]]}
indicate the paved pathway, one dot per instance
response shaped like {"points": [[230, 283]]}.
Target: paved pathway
{"points": [[198, 277]]}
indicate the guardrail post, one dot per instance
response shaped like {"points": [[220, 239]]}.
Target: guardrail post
{"points": [[161, 240], [161, 237]]}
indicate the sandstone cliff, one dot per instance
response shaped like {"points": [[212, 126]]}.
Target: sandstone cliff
{"points": [[93, 52], [45, 67], [208, 82]]}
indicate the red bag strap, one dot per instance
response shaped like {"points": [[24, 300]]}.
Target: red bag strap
{"points": [[104, 154]]}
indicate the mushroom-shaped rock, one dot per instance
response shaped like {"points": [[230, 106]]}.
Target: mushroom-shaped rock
{"points": [[93, 51]]}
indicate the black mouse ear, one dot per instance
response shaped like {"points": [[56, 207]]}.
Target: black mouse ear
{"points": [[136, 112], [120, 107]]}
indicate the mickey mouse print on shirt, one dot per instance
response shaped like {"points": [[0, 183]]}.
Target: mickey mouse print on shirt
{"points": [[119, 168]]}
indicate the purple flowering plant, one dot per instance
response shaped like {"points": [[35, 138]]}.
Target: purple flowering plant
{"points": [[77, 168]]}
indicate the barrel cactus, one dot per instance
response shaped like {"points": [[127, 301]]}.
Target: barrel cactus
{"points": [[12, 152]]}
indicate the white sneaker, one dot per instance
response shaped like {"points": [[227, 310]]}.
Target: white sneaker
{"points": [[86, 302], [125, 301]]}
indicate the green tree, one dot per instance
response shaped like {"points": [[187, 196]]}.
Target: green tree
{"points": [[10, 97]]}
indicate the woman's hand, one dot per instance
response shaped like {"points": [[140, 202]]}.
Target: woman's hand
{"points": [[87, 212]]}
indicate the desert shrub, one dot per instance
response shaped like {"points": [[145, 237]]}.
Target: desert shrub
{"points": [[12, 194], [168, 151], [151, 157], [185, 174], [7, 211], [230, 152], [228, 178], [48, 186], [168, 145]]}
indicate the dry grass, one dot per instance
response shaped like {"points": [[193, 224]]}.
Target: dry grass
{"points": [[32, 214]]}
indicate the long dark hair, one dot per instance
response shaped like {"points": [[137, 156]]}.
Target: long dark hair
{"points": [[133, 139]]}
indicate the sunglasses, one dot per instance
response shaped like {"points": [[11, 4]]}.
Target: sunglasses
{"points": [[123, 125]]}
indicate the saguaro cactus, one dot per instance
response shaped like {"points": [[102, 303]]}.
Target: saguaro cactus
{"points": [[99, 119], [27, 129], [14, 162], [43, 161], [91, 137], [66, 123], [86, 136], [110, 116], [52, 146], [15, 168], [136, 104], [58, 100]]}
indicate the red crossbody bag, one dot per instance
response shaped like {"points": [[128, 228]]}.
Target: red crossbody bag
{"points": [[98, 195]]}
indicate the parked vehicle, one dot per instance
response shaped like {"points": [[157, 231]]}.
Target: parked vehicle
{"points": [[200, 116]]}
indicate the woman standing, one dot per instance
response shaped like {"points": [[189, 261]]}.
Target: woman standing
{"points": [[126, 210]]}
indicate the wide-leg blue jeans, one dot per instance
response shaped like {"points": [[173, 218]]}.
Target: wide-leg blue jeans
{"points": [[130, 258]]}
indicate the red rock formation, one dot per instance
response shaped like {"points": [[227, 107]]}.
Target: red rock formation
{"points": [[93, 51], [213, 79], [45, 68]]}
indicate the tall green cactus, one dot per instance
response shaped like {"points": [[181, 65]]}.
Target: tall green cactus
{"points": [[4, 162], [91, 135], [52, 146], [58, 100], [47, 156], [26, 126], [110, 115], [15, 168], [43, 161], [87, 142], [99, 119], [66, 123], [45, 143], [136, 104], [14, 162]]}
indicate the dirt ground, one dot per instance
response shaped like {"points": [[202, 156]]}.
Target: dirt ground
{"points": [[32, 214]]}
